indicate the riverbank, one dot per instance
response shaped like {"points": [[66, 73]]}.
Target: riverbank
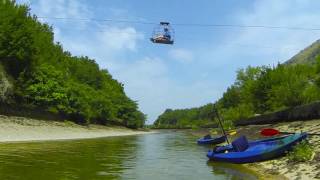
{"points": [[282, 166], [18, 129]]}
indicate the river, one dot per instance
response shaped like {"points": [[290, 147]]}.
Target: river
{"points": [[160, 156]]}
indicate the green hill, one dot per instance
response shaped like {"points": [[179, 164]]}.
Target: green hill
{"points": [[46, 78], [306, 56], [185, 118]]}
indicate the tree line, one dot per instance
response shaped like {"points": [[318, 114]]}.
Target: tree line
{"points": [[256, 90], [46, 76]]}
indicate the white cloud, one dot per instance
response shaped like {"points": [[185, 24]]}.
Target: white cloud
{"points": [[260, 46], [109, 48], [283, 43], [120, 38], [61, 8], [181, 55], [102, 42], [94, 39]]}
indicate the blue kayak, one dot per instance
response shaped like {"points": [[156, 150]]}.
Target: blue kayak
{"points": [[242, 151], [211, 140], [229, 147]]}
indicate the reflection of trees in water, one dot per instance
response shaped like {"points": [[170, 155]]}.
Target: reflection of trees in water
{"points": [[172, 155], [84, 159], [233, 171]]}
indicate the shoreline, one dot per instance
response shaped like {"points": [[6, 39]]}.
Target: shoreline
{"points": [[282, 166], [20, 129]]}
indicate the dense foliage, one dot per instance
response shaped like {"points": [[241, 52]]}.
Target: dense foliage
{"points": [[186, 118], [257, 90], [47, 77]]}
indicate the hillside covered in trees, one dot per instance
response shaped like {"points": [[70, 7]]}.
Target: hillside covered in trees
{"points": [[37, 74], [180, 118], [257, 90]]}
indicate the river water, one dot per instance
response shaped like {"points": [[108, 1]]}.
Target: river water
{"points": [[160, 156]]}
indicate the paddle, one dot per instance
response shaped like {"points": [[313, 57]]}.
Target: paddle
{"points": [[273, 132], [218, 117], [232, 132]]}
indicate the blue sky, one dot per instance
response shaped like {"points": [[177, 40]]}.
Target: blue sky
{"points": [[201, 64]]}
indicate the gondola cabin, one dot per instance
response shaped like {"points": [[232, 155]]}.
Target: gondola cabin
{"points": [[163, 34]]}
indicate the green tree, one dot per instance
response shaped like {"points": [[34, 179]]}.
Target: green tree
{"points": [[47, 77]]}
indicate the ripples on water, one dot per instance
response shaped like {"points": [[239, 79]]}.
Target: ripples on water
{"points": [[166, 155]]}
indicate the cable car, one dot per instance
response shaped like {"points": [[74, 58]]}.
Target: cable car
{"points": [[163, 34]]}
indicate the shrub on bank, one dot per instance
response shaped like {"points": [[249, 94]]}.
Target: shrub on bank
{"points": [[302, 152]]}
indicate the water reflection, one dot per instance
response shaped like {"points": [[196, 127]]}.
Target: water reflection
{"points": [[87, 159], [166, 155], [233, 171]]}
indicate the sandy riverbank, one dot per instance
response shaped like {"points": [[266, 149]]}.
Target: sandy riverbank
{"points": [[290, 170], [16, 129], [281, 168]]}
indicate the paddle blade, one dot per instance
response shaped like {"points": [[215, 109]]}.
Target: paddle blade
{"points": [[269, 132], [232, 132]]}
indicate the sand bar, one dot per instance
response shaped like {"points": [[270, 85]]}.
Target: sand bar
{"points": [[19, 129]]}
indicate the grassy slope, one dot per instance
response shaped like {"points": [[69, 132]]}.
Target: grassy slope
{"points": [[306, 56]]}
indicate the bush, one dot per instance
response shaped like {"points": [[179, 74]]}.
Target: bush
{"points": [[242, 111], [195, 127], [301, 152], [228, 125]]}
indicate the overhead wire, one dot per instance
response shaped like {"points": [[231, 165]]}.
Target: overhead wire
{"points": [[184, 24], [181, 24], [99, 20], [188, 37]]}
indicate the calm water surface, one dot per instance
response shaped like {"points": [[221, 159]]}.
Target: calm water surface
{"points": [[165, 155]]}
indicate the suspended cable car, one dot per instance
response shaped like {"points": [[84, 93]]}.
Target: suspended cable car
{"points": [[163, 34]]}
